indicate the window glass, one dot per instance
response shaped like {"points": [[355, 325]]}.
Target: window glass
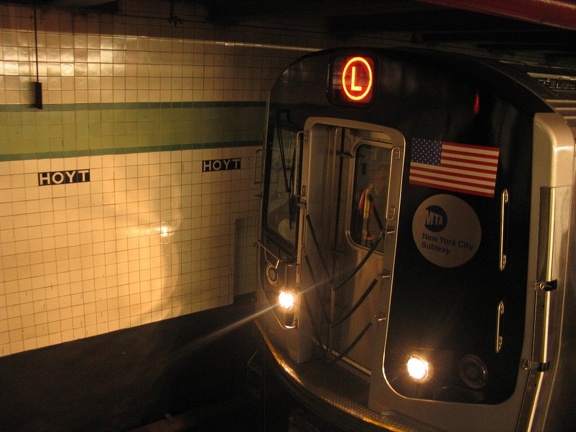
{"points": [[281, 211], [371, 182]]}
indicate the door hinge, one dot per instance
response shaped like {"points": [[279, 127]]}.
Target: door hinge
{"points": [[534, 365], [547, 285]]}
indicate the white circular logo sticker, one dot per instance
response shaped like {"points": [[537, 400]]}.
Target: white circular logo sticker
{"points": [[446, 230]]}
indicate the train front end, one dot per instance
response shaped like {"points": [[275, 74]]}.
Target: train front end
{"points": [[415, 265]]}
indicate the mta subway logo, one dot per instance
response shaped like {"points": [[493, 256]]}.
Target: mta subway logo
{"points": [[436, 218], [446, 243]]}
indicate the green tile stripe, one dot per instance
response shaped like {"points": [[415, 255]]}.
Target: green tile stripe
{"points": [[149, 149], [128, 105], [95, 129]]}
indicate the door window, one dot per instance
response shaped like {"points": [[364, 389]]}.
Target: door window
{"points": [[371, 186]]}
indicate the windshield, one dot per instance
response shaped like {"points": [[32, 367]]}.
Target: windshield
{"points": [[280, 206]]}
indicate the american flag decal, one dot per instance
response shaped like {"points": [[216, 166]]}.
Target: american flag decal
{"points": [[455, 167]]}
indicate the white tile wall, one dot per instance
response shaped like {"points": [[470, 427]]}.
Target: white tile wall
{"points": [[150, 236]]}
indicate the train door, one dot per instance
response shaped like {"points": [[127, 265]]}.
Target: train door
{"points": [[330, 210], [350, 199]]}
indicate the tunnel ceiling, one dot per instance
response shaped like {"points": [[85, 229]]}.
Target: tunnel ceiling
{"points": [[500, 26]]}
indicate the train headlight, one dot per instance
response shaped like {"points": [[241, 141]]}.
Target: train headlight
{"points": [[286, 300], [418, 368], [286, 303]]}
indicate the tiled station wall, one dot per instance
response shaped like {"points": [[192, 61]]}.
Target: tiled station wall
{"points": [[129, 196]]}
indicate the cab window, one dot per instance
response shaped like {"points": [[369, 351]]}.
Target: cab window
{"points": [[280, 210]]}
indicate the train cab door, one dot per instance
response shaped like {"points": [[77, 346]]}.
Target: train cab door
{"points": [[351, 174]]}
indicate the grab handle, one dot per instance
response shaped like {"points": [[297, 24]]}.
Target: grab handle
{"points": [[391, 210], [499, 338], [504, 200]]}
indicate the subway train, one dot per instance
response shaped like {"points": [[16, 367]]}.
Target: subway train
{"points": [[417, 265]]}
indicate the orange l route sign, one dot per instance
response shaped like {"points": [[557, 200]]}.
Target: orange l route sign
{"points": [[352, 80]]}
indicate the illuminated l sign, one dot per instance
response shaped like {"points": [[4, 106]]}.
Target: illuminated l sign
{"points": [[352, 80], [357, 79]]}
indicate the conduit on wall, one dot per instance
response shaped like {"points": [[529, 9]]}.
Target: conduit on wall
{"points": [[37, 84]]}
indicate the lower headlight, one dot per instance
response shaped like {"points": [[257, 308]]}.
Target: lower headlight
{"points": [[286, 307], [418, 369], [286, 300]]}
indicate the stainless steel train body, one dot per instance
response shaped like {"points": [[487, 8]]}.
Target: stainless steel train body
{"points": [[417, 264]]}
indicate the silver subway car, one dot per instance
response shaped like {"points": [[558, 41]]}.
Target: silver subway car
{"points": [[417, 269]]}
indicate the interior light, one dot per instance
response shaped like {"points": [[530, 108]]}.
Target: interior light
{"points": [[418, 368], [476, 104], [286, 300]]}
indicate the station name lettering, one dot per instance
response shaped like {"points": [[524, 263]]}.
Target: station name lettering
{"points": [[63, 177], [220, 165]]}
